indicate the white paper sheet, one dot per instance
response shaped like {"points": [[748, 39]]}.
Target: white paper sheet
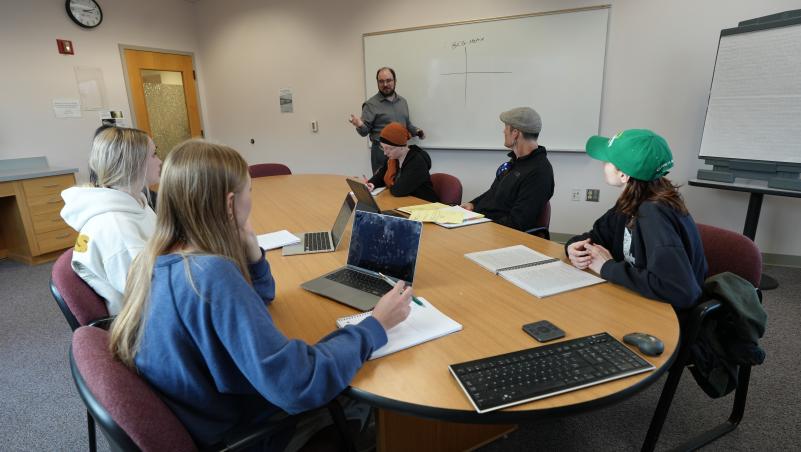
{"points": [[277, 239], [67, 108]]}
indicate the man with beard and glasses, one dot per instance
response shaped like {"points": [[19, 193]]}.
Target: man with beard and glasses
{"points": [[385, 107]]}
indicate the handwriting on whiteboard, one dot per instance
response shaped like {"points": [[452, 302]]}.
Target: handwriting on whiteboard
{"points": [[457, 44]]}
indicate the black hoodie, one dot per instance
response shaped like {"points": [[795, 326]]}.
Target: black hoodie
{"points": [[517, 196], [413, 177], [669, 262]]}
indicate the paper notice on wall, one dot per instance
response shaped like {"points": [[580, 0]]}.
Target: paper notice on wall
{"points": [[91, 87], [67, 108], [285, 100], [115, 118]]}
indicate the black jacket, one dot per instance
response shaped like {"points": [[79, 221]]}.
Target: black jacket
{"points": [[413, 177], [669, 257], [731, 338], [516, 197]]}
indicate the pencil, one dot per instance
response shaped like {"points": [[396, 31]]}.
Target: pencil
{"points": [[392, 283]]}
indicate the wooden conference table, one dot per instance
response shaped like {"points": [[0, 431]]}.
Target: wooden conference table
{"points": [[414, 387]]}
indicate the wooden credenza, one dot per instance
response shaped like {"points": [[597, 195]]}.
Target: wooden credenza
{"points": [[31, 228]]}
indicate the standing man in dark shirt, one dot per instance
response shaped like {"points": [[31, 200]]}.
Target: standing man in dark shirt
{"points": [[385, 107], [524, 184]]}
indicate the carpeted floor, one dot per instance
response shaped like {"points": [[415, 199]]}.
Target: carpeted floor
{"points": [[40, 408]]}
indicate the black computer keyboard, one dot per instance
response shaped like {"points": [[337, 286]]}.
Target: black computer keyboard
{"points": [[316, 241], [361, 281], [535, 373]]}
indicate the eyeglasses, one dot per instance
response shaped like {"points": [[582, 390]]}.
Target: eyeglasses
{"points": [[390, 148], [503, 169]]}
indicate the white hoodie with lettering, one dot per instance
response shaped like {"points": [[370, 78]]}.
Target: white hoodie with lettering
{"points": [[112, 229]]}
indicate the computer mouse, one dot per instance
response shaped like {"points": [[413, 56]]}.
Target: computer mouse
{"points": [[647, 344]]}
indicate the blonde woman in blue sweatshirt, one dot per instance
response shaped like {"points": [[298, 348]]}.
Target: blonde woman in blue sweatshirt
{"points": [[196, 323]]}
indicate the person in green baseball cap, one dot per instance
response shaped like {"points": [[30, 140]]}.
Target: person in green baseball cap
{"points": [[647, 241]]}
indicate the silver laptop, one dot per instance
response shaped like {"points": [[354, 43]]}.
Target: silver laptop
{"points": [[378, 243], [366, 201], [324, 241]]}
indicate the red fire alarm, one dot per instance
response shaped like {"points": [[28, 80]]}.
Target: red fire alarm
{"points": [[65, 47]]}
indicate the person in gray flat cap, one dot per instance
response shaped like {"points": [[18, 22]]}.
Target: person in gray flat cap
{"points": [[524, 184]]}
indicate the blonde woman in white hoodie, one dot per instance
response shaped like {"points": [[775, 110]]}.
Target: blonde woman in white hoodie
{"points": [[111, 213]]}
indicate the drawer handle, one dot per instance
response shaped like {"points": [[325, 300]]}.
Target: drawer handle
{"points": [[50, 186], [63, 236], [54, 201]]}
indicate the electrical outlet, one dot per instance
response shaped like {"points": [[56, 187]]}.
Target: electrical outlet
{"points": [[575, 195], [593, 194]]}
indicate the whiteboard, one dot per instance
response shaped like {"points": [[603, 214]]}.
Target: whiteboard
{"points": [[754, 110], [457, 78]]}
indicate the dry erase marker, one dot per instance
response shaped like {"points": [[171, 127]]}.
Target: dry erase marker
{"points": [[392, 283]]}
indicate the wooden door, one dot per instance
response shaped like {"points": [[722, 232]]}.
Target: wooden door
{"points": [[164, 97]]}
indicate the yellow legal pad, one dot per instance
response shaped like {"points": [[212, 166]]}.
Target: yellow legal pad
{"points": [[419, 207], [437, 212]]}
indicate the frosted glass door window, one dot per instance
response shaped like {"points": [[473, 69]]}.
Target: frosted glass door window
{"points": [[166, 108]]}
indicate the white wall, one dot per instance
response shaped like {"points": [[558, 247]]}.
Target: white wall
{"points": [[658, 72], [34, 73]]}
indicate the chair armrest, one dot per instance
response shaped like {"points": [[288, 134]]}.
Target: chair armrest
{"points": [[62, 305], [698, 316], [539, 231], [249, 436], [103, 322]]}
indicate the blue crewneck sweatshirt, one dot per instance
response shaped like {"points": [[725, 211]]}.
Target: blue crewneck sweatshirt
{"points": [[218, 360]]}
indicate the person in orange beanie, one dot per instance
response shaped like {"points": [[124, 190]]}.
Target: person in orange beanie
{"points": [[406, 172]]}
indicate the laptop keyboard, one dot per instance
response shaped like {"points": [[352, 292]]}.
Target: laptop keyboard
{"points": [[316, 241], [518, 377], [360, 281]]}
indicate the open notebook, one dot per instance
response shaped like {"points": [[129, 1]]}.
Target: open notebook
{"points": [[534, 272], [424, 323]]}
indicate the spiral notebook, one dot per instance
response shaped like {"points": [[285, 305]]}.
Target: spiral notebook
{"points": [[534, 272], [425, 323]]}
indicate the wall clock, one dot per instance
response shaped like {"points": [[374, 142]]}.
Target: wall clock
{"points": [[86, 13]]}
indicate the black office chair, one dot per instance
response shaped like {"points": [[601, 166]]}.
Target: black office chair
{"points": [[543, 223], [725, 251]]}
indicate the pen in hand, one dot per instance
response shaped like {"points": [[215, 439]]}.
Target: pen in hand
{"points": [[392, 283], [366, 182]]}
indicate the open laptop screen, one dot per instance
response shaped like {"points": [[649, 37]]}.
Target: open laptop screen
{"points": [[342, 219], [362, 193], [385, 244]]}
